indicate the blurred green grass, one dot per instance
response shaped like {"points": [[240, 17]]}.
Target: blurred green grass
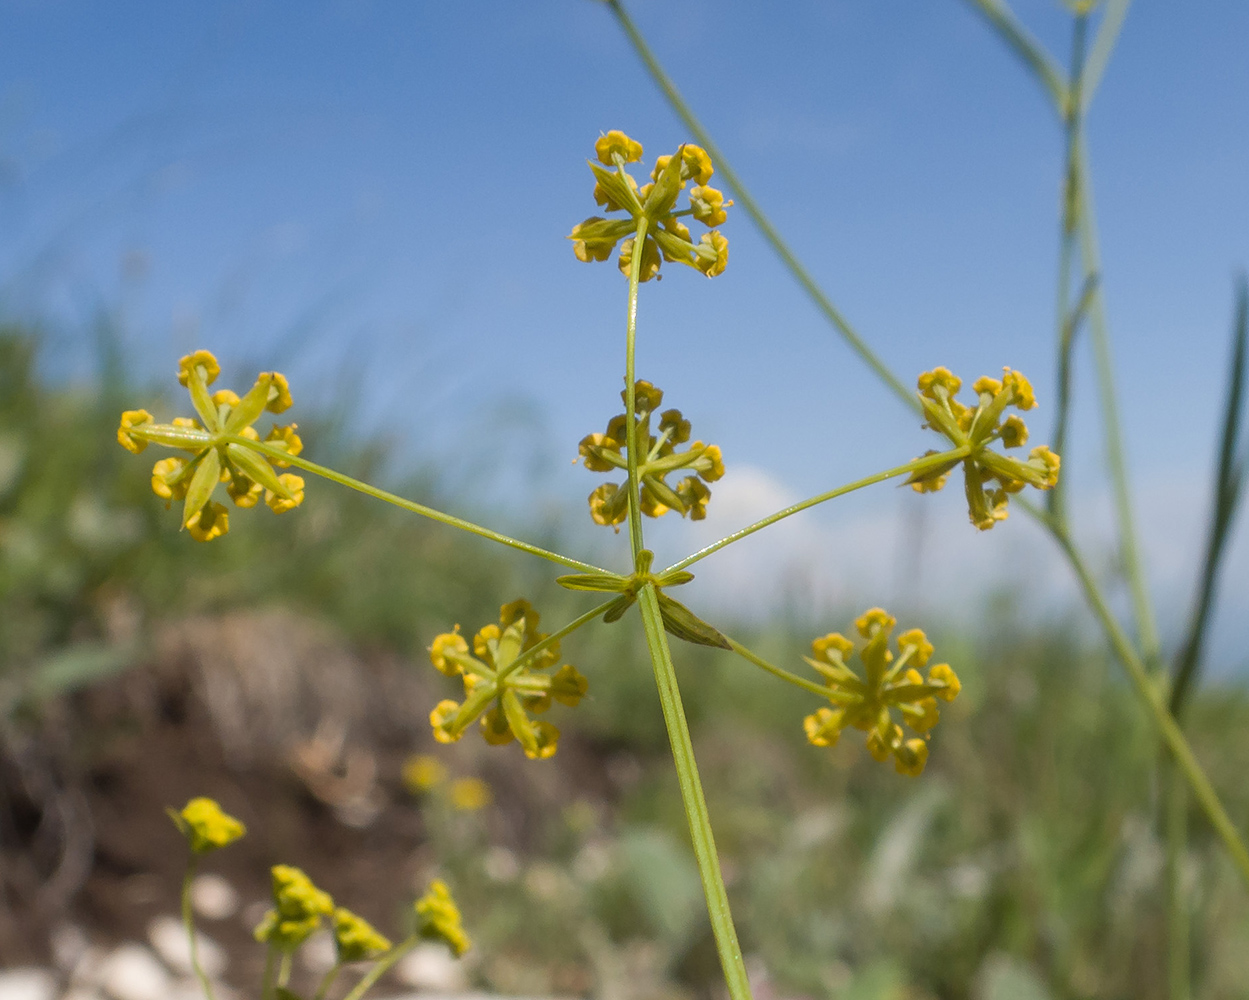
{"points": [[1025, 863]]}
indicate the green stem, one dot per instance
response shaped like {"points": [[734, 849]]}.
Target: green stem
{"points": [[775, 671], [554, 637], [284, 971], [915, 465], [328, 981], [266, 981], [1149, 693], [1129, 543], [1067, 324], [751, 207], [692, 795], [409, 505], [188, 921], [631, 430], [382, 966]]}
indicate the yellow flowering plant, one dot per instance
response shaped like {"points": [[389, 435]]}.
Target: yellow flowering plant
{"points": [[510, 673], [300, 906]]}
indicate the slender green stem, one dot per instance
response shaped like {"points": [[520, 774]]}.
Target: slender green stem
{"points": [[915, 465], [692, 795], [540, 647], [631, 429], [328, 981], [266, 981], [1027, 48], [1103, 46], [284, 971], [775, 671], [382, 966], [1148, 691], [410, 505], [751, 207], [188, 921], [1066, 319], [1129, 542]]}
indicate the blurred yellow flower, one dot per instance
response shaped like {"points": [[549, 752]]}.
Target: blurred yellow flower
{"points": [[438, 918], [422, 773], [470, 794], [206, 826]]}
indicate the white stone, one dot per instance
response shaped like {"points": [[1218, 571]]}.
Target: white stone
{"points": [[430, 967], [131, 972], [80, 993], [213, 898], [27, 984], [69, 943], [318, 953], [168, 937]]}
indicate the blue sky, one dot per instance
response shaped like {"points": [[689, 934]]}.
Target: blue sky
{"points": [[378, 194]]}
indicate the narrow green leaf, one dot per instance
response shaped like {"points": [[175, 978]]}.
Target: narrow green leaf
{"points": [[618, 607], [1027, 48], [1103, 46], [251, 406], [681, 622], [1228, 483], [256, 468], [205, 480], [597, 582]]}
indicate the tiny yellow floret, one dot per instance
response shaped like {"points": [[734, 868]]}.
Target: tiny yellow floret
{"points": [[439, 918], [206, 826], [355, 938], [423, 773], [470, 794], [131, 419]]}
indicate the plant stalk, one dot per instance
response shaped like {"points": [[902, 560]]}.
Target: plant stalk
{"points": [[692, 796], [915, 465], [411, 505], [382, 966], [188, 921]]}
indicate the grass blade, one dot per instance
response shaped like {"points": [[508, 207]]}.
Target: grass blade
{"points": [[1228, 483]]}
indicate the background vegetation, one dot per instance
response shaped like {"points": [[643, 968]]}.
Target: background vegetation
{"points": [[1025, 864]]}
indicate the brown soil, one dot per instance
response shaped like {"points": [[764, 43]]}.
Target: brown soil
{"points": [[298, 735]]}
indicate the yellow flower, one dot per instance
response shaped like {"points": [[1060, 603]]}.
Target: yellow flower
{"points": [[657, 457], [616, 142], [423, 773], [206, 826], [667, 238], [868, 701], [218, 452], [470, 794], [299, 907], [355, 939], [504, 683], [989, 476], [438, 918]]}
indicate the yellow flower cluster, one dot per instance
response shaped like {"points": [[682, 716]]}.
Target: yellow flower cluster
{"points": [[657, 457], [500, 669], [299, 907], [355, 938], [989, 476], [214, 456], [438, 918], [667, 238], [206, 826], [867, 702]]}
